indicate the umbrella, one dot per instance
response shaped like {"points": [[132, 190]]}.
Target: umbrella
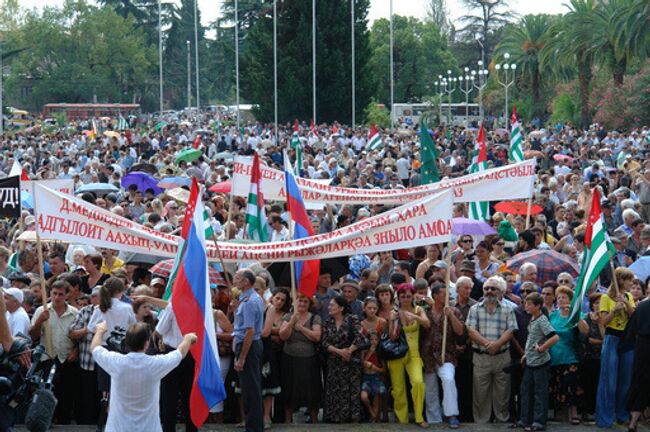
{"points": [[641, 268], [144, 167], [142, 181], [179, 194], [466, 226], [559, 157], [111, 134], [142, 260], [174, 182], [224, 155], [223, 187], [517, 207], [97, 188], [188, 155], [160, 125], [549, 264], [537, 133], [281, 271], [26, 200], [164, 268]]}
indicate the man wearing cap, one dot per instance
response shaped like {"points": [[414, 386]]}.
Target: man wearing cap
{"points": [[608, 215], [16, 316], [468, 268], [644, 195], [88, 403], [158, 285], [645, 241], [624, 257], [350, 291]]}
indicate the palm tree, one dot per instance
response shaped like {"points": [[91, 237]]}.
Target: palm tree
{"points": [[525, 41], [571, 49], [631, 27]]}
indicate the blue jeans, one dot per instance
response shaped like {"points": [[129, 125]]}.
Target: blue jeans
{"points": [[534, 396], [615, 378]]}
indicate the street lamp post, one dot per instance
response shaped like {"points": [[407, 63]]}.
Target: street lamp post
{"points": [[439, 84], [189, 76], [508, 81], [467, 89], [450, 87], [482, 82]]}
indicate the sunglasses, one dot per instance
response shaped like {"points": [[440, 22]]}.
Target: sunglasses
{"points": [[564, 281], [489, 288], [467, 241]]}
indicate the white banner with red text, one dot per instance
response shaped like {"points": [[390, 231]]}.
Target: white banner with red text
{"points": [[65, 186], [514, 181], [422, 222]]}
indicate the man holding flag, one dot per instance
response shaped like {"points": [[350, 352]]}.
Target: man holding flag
{"points": [[516, 151]]}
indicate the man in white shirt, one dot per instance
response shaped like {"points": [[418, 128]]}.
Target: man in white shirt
{"points": [[16, 316], [280, 232], [135, 378]]}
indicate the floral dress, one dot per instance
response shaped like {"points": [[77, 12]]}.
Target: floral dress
{"points": [[343, 382]]}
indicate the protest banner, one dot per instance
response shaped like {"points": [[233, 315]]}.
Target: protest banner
{"points": [[514, 181], [10, 197], [65, 186], [418, 223]]}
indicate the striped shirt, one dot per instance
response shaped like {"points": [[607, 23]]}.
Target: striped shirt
{"points": [[86, 361]]}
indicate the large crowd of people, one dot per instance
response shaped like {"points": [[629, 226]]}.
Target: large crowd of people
{"points": [[367, 347]]}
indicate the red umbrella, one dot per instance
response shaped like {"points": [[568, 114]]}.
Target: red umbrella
{"points": [[223, 187], [164, 269], [517, 207]]}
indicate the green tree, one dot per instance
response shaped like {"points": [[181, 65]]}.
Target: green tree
{"points": [[631, 25], [570, 51], [420, 55], [525, 41], [484, 19], [333, 49]]}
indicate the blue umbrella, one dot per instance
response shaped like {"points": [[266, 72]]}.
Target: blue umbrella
{"points": [[641, 268], [26, 200], [172, 182], [142, 181], [98, 188]]}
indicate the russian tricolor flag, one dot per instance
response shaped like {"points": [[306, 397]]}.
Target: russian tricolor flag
{"points": [[192, 305], [307, 272]]}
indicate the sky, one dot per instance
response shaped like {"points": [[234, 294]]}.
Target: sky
{"points": [[210, 9]]}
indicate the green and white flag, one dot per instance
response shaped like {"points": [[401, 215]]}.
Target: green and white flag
{"points": [[297, 146], [479, 210], [516, 151], [620, 159], [122, 124], [256, 223], [596, 257], [374, 139]]}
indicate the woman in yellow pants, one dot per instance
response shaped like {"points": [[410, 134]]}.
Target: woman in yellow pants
{"points": [[409, 317]]}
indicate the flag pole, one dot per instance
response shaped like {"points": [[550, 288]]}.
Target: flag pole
{"points": [[220, 257], [528, 210], [46, 328], [447, 282]]}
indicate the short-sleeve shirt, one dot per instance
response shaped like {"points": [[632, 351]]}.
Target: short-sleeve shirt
{"points": [[298, 345], [539, 329], [620, 319], [491, 325], [135, 387], [250, 314], [564, 351], [60, 327]]}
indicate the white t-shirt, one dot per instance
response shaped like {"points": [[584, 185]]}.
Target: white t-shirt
{"points": [[135, 387], [120, 315], [18, 322]]}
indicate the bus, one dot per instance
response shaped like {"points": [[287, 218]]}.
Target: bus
{"points": [[79, 111], [410, 113]]}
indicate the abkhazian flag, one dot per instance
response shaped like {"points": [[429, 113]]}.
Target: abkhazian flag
{"points": [[122, 123], [597, 254], [516, 151], [312, 128], [479, 210], [192, 305], [256, 223], [297, 146], [374, 139]]}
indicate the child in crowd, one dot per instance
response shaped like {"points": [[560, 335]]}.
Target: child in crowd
{"points": [[373, 389], [536, 361]]}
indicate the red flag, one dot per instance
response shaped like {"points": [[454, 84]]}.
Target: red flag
{"points": [[23, 175], [482, 148], [189, 210], [312, 128], [594, 215], [513, 119], [197, 141], [296, 126]]}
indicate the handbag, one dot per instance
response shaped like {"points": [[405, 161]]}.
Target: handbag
{"points": [[389, 349]]}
